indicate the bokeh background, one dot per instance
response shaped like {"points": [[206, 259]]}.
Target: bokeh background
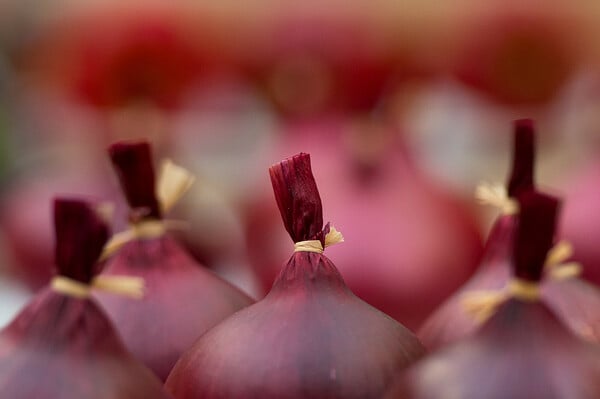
{"points": [[405, 106]]}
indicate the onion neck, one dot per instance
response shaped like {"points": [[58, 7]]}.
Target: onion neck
{"points": [[308, 271], [133, 164], [53, 321], [81, 233]]}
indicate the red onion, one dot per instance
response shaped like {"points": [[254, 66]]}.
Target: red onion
{"points": [[382, 201], [310, 337], [62, 345], [581, 224], [516, 55], [450, 321], [148, 55], [302, 64], [523, 351], [183, 299], [573, 299]]}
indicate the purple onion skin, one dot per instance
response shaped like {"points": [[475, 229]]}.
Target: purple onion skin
{"points": [[451, 322], [576, 302], [310, 337], [581, 222], [523, 352], [63, 347], [182, 301]]}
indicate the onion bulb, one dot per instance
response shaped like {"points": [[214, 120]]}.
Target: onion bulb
{"points": [[581, 224], [573, 299], [411, 230], [523, 350], [516, 57], [183, 299], [62, 345], [310, 337], [450, 322]]}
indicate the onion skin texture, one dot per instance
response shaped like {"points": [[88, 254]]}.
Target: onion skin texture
{"points": [[62, 347], [523, 352], [310, 337], [182, 300], [450, 322], [576, 302]]}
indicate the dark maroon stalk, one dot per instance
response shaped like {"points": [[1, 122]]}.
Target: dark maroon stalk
{"points": [[523, 162], [80, 238], [535, 234], [297, 197], [133, 163]]}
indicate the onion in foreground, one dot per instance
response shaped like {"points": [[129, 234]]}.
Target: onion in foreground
{"points": [[310, 337]]}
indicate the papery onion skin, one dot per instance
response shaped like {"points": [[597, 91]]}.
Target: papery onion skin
{"points": [[310, 337], [523, 352], [576, 303], [182, 299], [61, 347], [450, 322]]}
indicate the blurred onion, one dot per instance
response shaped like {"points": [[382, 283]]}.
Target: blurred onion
{"points": [[182, 299], [574, 300], [523, 351], [62, 345]]}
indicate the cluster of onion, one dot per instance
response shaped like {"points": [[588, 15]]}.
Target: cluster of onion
{"points": [[524, 350], [534, 341], [310, 337], [574, 299]]}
